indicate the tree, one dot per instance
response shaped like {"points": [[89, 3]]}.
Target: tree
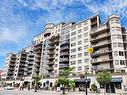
{"points": [[36, 80], [104, 78], [94, 87], [63, 79]]}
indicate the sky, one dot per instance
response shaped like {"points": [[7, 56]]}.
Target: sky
{"points": [[21, 20]]}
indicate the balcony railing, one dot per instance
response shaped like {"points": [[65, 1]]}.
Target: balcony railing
{"points": [[104, 51], [63, 65], [64, 53], [63, 48], [94, 61], [98, 29], [101, 44], [50, 68], [64, 59]]}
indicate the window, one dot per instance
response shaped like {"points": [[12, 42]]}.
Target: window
{"points": [[122, 62], [86, 53], [86, 46], [85, 23], [117, 62], [73, 33], [73, 50], [80, 54], [113, 28], [79, 61], [73, 39], [79, 31], [73, 44], [79, 25], [79, 42], [73, 56], [114, 36], [120, 45], [85, 34], [115, 53], [116, 20], [73, 62], [121, 53], [118, 85], [79, 36], [79, 48], [114, 45], [86, 40], [79, 68], [86, 60], [118, 28], [119, 36], [86, 28]]}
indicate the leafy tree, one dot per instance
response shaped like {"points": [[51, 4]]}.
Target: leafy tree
{"points": [[94, 87], [36, 80], [104, 78], [63, 79]]}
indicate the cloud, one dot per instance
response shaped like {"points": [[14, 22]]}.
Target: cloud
{"points": [[107, 7], [8, 35]]}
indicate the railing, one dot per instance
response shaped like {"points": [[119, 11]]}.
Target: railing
{"points": [[64, 59], [98, 29]]}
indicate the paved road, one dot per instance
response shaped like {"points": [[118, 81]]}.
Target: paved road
{"points": [[26, 92]]}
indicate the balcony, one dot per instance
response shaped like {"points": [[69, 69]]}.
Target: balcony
{"points": [[50, 68], [63, 65], [50, 58], [100, 29], [100, 38], [50, 63], [64, 59], [64, 53], [54, 42], [97, 61], [101, 52], [51, 48], [51, 53], [64, 48], [99, 45]]}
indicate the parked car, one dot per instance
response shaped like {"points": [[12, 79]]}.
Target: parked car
{"points": [[8, 87]]}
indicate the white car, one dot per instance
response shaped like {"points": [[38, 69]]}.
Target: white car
{"points": [[9, 87]]}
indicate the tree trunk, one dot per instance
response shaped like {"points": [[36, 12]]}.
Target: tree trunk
{"points": [[105, 89], [63, 89]]}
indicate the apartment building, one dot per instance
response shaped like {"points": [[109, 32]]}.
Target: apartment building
{"points": [[20, 64], [29, 63], [65, 45], [8, 71]]}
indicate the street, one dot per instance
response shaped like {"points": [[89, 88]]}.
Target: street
{"points": [[41, 92]]}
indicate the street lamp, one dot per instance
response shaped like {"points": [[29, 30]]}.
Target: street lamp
{"points": [[89, 50]]}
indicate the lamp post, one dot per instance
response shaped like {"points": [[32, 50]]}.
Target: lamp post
{"points": [[89, 50]]}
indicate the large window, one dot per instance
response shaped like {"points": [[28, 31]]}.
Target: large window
{"points": [[73, 33], [79, 48], [117, 62], [120, 45], [86, 40], [114, 44], [119, 36], [86, 28], [115, 53], [122, 62], [79, 42], [73, 44], [73, 50], [79, 36], [79, 61], [121, 53], [118, 85], [73, 39], [85, 34], [80, 55], [73, 62], [86, 60], [79, 68], [80, 31], [86, 54], [73, 56]]}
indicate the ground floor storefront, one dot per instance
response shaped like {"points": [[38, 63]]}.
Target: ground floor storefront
{"points": [[118, 84]]}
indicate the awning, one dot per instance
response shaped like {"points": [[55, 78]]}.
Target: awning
{"points": [[82, 80], [116, 79]]}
